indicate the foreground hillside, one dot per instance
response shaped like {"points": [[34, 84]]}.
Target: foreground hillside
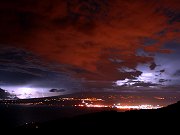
{"points": [[106, 119]]}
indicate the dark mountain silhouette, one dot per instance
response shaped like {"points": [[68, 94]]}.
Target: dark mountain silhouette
{"points": [[112, 119], [6, 95], [172, 108]]}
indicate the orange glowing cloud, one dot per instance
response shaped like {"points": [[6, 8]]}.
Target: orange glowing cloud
{"points": [[96, 36]]}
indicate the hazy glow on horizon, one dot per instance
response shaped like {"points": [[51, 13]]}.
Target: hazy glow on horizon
{"points": [[24, 92], [29, 91]]}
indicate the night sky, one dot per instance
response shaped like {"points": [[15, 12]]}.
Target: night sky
{"points": [[55, 47]]}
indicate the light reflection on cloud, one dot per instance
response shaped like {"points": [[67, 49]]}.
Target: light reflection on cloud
{"points": [[24, 92], [148, 78], [121, 82], [125, 69]]}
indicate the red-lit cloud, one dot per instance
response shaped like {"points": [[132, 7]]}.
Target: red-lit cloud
{"points": [[95, 36]]}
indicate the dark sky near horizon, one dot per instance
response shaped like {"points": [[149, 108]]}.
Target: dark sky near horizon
{"points": [[96, 45]]}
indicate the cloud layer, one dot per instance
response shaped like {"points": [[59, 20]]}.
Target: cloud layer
{"points": [[92, 40]]}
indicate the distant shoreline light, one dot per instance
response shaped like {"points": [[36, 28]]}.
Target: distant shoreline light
{"points": [[138, 107], [118, 106]]}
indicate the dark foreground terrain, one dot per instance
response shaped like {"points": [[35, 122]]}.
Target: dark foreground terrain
{"points": [[139, 119], [13, 116]]}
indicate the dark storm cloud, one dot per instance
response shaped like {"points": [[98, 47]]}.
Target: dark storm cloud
{"points": [[97, 85], [15, 78], [173, 15], [57, 90], [162, 71], [177, 73], [23, 59], [163, 80], [19, 59], [173, 45], [145, 84], [152, 66], [20, 67], [170, 63], [88, 39]]}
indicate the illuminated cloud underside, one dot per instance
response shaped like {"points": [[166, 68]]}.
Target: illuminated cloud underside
{"points": [[89, 44]]}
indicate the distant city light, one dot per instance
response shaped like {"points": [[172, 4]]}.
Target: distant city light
{"points": [[89, 102], [159, 98], [118, 106], [137, 107]]}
